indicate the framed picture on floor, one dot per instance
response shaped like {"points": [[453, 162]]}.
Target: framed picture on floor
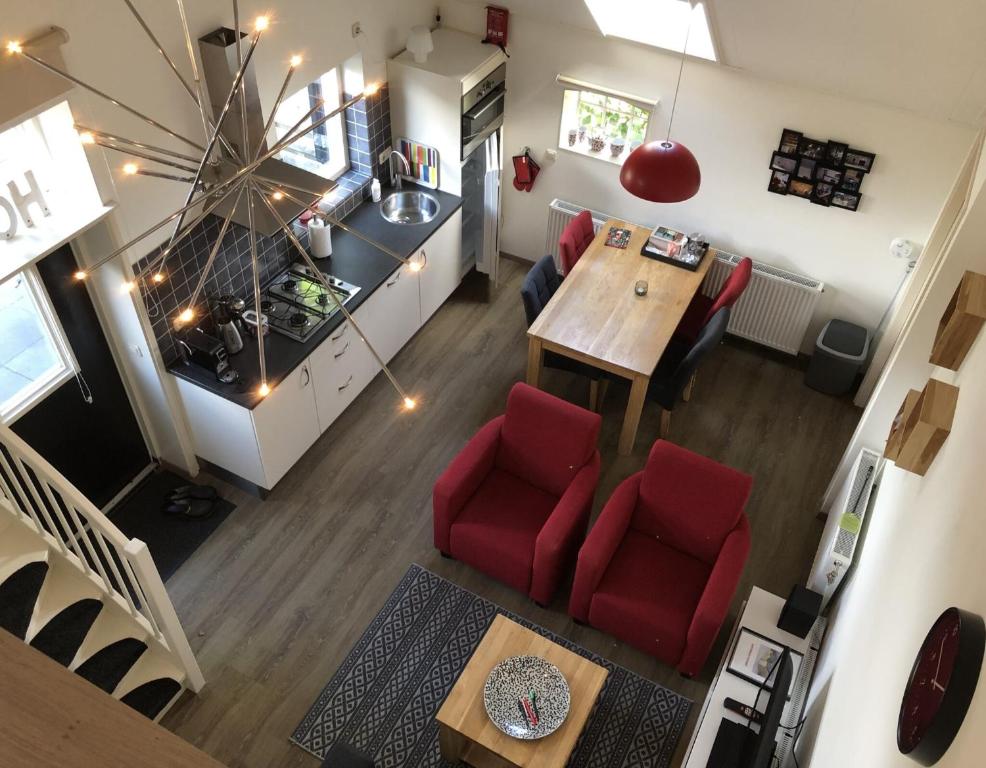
{"points": [[754, 658]]}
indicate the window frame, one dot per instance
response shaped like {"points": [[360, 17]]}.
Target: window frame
{"points": [[38, 390], [338, 142], [573, 96]]}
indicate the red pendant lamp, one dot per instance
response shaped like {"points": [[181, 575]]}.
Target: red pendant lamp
{"points": [[663, 171]]}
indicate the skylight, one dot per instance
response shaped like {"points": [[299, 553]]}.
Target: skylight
{"points": [[661, 23]]}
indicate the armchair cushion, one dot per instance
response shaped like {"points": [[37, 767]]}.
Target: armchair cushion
{"points": [[648, 596], [545, 440], [688, 501], [497, 528]]}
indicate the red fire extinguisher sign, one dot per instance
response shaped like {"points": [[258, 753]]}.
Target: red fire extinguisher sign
{"points": [[496, 25]]}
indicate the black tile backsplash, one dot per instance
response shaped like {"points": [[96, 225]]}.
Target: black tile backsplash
{"points": [[368, 134]]}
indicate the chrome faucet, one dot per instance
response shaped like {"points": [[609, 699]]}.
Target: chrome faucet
{"points": [[395, 176]]}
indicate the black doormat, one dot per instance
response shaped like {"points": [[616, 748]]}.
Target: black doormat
{"points": [[384, 698], [171, 539]]}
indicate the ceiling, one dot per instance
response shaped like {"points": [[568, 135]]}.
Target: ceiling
{"points": [[913, 54]]}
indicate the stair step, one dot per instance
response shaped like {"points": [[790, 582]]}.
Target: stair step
{"points": [[65, 585], [108, 666], [113, 625], [62, 636], [151, 698], [18, 596]]}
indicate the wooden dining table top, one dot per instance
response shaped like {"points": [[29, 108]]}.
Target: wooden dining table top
{"points": [[596, 317]]}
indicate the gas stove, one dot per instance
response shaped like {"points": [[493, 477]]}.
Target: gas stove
{"points": [[296, 304]]}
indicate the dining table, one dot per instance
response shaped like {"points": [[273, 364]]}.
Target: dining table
{"points": [[597, 317]]}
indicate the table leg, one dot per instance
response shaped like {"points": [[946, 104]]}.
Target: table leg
{"points": [[635, 406], [535, 360], [451, 744]]}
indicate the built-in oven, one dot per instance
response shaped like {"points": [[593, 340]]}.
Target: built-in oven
{"points": [[482, 110]]}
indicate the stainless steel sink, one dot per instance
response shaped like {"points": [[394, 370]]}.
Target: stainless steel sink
{"points": [[410, 207]]}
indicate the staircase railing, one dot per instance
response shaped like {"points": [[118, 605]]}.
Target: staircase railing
{"points": [[122, 568]]}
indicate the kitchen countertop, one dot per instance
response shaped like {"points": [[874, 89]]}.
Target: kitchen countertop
{"points": [[353, 260]]}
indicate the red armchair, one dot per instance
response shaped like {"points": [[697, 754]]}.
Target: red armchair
{"points": [[515, 502], [661, 564]]}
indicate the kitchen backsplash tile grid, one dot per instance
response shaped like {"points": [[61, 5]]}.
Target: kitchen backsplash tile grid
{"points": [[368, 134]]}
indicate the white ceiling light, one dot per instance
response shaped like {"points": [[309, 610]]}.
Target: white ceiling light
{"points": [[660, 23]]}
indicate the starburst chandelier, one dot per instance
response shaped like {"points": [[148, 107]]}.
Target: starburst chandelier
{"points": [[218, 173]]}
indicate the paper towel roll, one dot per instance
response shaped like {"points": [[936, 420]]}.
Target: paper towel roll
{"points": [[320, 238]]}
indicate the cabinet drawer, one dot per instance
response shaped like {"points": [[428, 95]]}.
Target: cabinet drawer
{"points": [[341, 369]]}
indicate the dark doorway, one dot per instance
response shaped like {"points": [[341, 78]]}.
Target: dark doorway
{"points": [[98, 446]]}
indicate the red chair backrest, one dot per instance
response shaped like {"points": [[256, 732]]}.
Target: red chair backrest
{"points": [[545, 440], [575, 239], [689, 502], [732, 289]]}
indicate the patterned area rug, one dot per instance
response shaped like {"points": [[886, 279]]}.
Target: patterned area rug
{"points": [[384, 698]]}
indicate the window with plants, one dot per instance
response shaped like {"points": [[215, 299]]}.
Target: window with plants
{"points": [[594, 123]]}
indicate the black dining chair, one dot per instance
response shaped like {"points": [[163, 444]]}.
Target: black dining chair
{"points": [[672, 380], [538, 287]]}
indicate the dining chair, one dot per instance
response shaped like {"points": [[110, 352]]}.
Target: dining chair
{"points": [[673, 377], [538, 287], [575, 238], [702, 308]]}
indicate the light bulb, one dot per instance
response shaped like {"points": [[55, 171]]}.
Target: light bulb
{"points": [[187, 316], [158, 277], [296, 60], [264, 390], [371, 89], [261, 23], [80, 275], [409, 404], [128, 286], [277, 196], [14, 47], [417, 262], [87, 138], [130, 169]]}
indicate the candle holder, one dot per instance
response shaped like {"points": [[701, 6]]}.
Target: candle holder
{"points": [[640, 288]]}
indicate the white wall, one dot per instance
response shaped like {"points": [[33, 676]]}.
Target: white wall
{"points": [[923, 552], [732, 122], [108, 50]]}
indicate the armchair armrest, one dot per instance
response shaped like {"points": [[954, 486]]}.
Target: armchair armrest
{"points": [[714, 603], [601, 544], [563, 531], [462, 478]]}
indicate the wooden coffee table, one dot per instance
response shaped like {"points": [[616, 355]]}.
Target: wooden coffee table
{"points": [[466, 733]]}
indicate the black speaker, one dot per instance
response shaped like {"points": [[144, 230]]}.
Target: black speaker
{"points": [[800, 611]]}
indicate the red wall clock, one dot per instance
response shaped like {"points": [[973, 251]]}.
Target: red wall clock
{"points": [[942, 683]]}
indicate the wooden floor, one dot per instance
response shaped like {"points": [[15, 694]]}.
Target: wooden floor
{"points": [[274, 600]]}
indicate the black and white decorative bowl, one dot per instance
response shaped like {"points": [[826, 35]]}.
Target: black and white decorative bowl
{"points": [[516, 677]]}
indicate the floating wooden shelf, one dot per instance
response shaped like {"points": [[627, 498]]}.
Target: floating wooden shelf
{"points": [[896, 438], [963, 319], [922, 425]]}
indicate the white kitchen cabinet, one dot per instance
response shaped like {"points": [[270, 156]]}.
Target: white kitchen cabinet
{"points": [[392, 315], [286, 423], [342, 366], [442, 273]]}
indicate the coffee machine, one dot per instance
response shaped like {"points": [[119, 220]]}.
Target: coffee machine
{"points": [[199, 348]]}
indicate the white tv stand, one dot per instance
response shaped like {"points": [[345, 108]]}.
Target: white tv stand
{"points": [[760, 614]]}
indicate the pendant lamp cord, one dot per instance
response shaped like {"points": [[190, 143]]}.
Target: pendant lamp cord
{"points": [[681, 68]]}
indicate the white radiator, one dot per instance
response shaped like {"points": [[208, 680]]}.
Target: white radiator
{"points": [[775, 310]]}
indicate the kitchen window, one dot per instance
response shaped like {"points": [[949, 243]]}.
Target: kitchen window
{"points": [[600, 123], [35, 358], [323, 151]]}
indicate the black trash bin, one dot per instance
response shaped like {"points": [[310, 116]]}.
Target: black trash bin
{"points": [[840, 354]]}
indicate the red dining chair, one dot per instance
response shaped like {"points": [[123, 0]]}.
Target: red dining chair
{"points": [[575, 239], [702, 308], [663, 560]]}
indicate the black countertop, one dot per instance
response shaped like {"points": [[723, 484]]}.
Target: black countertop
{"points": [[353, 260]]}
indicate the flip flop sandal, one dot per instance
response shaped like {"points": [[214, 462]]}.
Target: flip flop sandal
{"points": [[204, 492], [192, 509]]}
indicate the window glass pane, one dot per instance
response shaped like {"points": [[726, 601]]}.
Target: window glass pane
{"points": [[29, 357], [600, 125], [323, 151]]}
